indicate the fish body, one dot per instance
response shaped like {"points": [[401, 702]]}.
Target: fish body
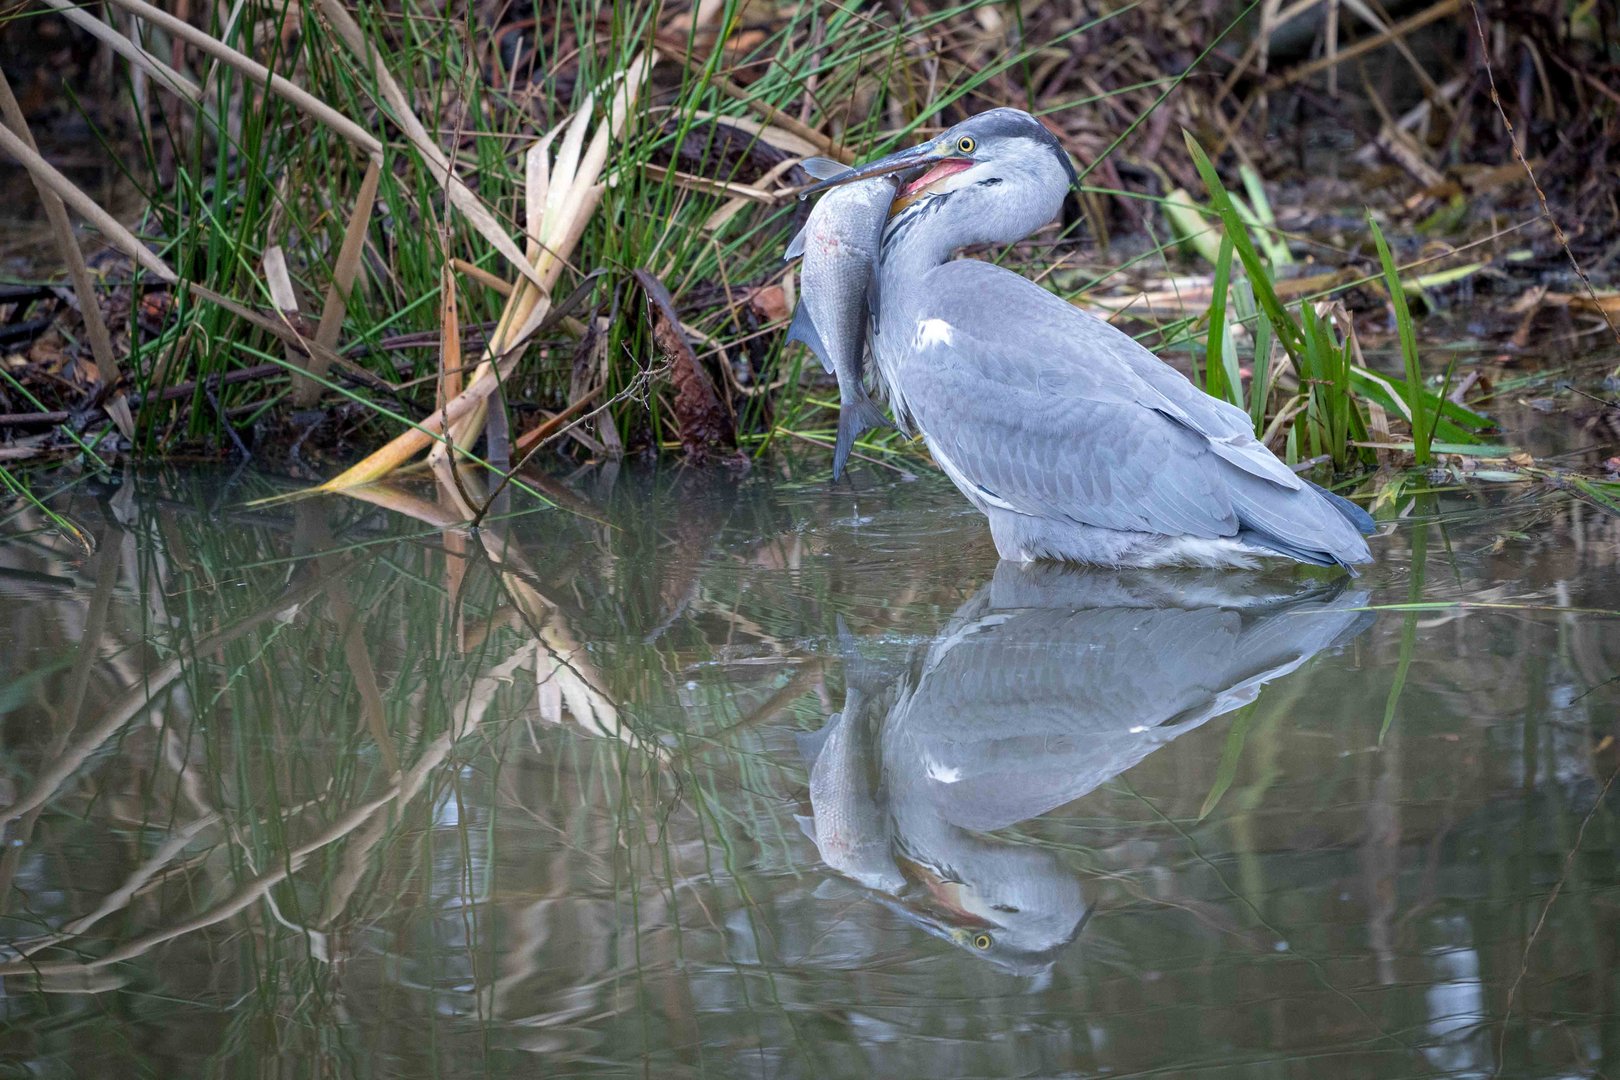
{"points": [[849, 822], [849, 825], [838, 298]]}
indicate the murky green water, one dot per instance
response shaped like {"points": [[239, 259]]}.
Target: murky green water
{"points": [[323, 790]]}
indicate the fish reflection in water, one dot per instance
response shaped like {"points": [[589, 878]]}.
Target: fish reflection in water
{"points": [[1049, 682]]}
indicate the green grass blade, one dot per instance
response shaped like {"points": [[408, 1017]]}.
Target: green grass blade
{"points": [[1288, 332], [1419, 412]]}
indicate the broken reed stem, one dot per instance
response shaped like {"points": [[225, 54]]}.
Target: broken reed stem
{"points": [[450, 372], [560, 198], [67, 245], [307, 390], [482, 276]]}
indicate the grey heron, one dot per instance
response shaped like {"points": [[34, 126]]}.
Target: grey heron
{"points": [[1076, 443], [1048, 683]]}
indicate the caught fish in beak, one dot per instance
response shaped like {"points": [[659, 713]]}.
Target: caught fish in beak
{"points": [[929, 164], [917, 157], [925, 183]]}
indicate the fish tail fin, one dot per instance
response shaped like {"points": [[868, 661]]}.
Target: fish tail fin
{"points": [[860, 673], [855, 416]]}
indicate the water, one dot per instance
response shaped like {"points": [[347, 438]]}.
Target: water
{"points": [[320, 789]]}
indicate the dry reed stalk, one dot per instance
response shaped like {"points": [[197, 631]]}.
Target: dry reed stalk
{"points": [[257, 73], [344, 273], [569, 195], [450, 372], [762, 190], [84, 205], [455, 189], [130, 245], [170, 78], [285, 301], [482, 276], [67, 246]]}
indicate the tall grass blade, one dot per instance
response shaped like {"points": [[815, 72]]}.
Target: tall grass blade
{"points": [[1265, 293], [1222, 377], [1423, 421]]}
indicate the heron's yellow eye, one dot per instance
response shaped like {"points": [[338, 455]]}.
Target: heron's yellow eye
{"points": [[982, 941], [966, 144]]}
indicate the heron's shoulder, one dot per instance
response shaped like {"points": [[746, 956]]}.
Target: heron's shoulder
{"points": [[989, 301], [976, 280]]}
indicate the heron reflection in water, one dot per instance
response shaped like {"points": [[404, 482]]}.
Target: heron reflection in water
{"points": [[1050, 681], [1073, 440]]}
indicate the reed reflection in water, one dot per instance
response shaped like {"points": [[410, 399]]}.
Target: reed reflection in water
{"points": [[339, 787]]}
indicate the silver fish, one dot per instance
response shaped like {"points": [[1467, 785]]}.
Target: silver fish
{"points": [[849, 823], [838, 291]]}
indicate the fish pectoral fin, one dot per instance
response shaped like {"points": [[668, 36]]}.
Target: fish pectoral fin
{"points": [[796, 245], [811, 742], [854, 416], [803, 329]]}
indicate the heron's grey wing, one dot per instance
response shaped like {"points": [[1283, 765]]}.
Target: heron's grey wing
{"points": [[1007, 411], [1051, 412], [1020, 711]]}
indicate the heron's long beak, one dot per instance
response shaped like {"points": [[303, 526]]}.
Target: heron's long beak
{"points": [[916, 157]]}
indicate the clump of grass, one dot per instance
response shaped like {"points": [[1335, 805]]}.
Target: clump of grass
{"points": [[1331, 414], [381, 151]]}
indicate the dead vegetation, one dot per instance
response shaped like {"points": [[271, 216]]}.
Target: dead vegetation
{"points": [[340, 208]]}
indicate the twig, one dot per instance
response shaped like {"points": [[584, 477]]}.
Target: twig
{"points": [[1552, 898], [1518, 153]]}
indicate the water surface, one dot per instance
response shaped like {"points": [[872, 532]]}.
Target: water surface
{"points": [[708, 774]]}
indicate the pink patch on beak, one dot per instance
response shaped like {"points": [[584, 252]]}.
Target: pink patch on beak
{"points": [[948, 167]]}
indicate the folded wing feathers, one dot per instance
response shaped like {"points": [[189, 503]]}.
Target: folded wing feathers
{"points": [[1085, 424]]}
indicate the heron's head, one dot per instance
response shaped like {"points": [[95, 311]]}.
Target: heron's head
{"points": [[1018, 911], [995, 178]]}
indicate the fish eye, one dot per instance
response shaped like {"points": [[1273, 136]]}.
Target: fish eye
{"points": [[966, 144], [983, 941]]}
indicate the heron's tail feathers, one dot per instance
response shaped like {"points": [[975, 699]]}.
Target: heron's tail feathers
{"points": [[1354, 514], [1307, 524], [856, 415]]}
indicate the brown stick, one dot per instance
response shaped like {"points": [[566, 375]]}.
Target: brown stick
{"points": [[1366, 45], [541, 431], [68, 247]]}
